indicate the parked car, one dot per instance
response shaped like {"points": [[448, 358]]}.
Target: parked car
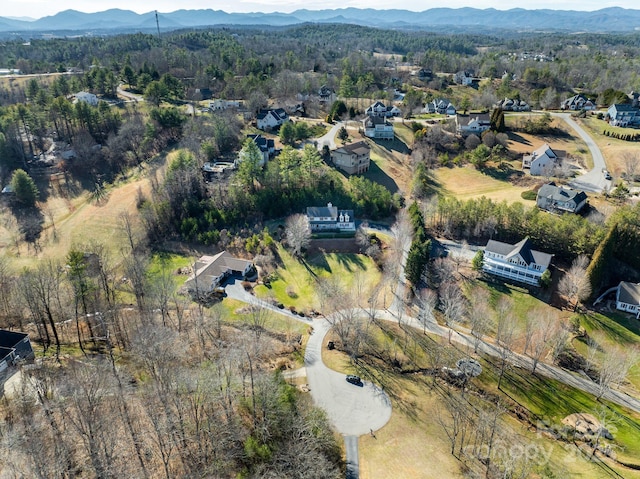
{"points": [[354, 379], [607, 175]]}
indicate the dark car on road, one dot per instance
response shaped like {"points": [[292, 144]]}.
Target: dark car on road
{"points": [[354, 379]]}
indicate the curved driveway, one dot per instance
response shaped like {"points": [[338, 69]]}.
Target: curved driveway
{"points": [[353, 410], [594, 180]]}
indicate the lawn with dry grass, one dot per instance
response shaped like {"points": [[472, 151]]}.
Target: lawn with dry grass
{"points": [[613, 150], [466, 183]]}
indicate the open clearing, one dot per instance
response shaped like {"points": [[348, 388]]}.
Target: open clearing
{"points": [[466, 183], [297, 280], [613, 150]]}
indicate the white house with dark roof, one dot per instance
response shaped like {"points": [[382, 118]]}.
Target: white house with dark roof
{"points": [[378, 127], [270, 119], [517, 262], [353, 158], [473, 124], [440, 106], [628, 298], [330, 218], [382, 110], [211, 271], [542, 161], [558, 199]]}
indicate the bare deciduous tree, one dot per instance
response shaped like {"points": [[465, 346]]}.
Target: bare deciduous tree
{"points": [[298, 233], [452, 304], [575, 284], [615, 364]]}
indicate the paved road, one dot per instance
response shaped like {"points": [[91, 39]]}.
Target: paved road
{"points": [[353, 461], [128, 95], [594, 180]]}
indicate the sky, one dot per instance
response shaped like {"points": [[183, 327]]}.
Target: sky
{"points": [[42, 8]]}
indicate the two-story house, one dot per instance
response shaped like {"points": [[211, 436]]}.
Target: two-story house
{"points": [[326, 94], [330, 218], [628, 298], [623, 115], [266, 145], [382, 110], [517, 262], [473, 124], [556, 198], [466, 78], [271, 119], [378, 127], [578, 102], [353, 158], [220, 104], [542, 161], [440, 106], [509, 104]]}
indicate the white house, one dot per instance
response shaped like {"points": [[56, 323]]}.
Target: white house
{"points": [[86, 97], [518, 262], [353, 158], [382, 110], [466, 78], [270, 119], [440, 106], [219, 104], [210, 271], [541, 161], [556, 198], [330, 218], [378, 127], [473, 124], [266, 146], [628, 298]]}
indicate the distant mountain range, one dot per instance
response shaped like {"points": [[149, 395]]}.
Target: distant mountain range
{"points": [[613, 19]]}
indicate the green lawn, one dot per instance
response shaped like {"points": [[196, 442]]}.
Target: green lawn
{"points": [[171, 263], [296, 279]]}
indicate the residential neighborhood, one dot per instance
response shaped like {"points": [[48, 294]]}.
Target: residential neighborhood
{"points": [[320, 244]]}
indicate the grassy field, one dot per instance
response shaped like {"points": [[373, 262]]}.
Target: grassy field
{"points": [[466, 183], [296, 280], [567, 141], [413, 443], [613, 150]]}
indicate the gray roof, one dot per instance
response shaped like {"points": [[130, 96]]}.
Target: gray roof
{"points": [[322, 211], [629, 292], [358, 148], [523, 248], [557, 193]]}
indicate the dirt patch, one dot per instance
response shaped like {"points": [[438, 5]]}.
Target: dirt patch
{"points": [[583, 423]]}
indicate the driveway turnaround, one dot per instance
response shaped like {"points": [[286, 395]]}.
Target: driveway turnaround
{"points": [[352, 409]]}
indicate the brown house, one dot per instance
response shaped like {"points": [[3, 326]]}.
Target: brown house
{"points": [[353, 159]]}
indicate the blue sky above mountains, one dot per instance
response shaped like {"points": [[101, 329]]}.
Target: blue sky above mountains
{"points": [[41, 8]]}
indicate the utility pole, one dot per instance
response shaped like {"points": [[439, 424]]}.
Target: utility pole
{"points": [[157, 23]]}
